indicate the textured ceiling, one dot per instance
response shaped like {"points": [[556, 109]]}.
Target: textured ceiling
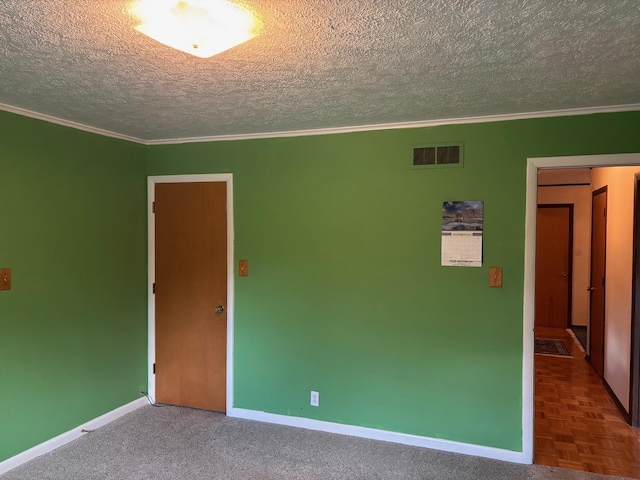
{"points": [[320, 64]]}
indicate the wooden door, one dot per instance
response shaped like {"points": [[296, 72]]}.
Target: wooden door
{"points": [[190, 282], [597, 288], [553, 265], [635, 309]]}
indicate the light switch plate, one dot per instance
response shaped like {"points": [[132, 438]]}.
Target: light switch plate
{"points": [[5, 279], [495, 277], [243, 268]]}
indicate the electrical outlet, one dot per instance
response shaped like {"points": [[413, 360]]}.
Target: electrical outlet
{"points": [[315, 399]]}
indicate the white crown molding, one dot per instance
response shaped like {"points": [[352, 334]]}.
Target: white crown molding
{"points": [[70, 436], [68, 123], [399, 125], [382, 435], [326, 131]]}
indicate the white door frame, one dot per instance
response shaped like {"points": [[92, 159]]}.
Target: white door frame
{"points": [[151, 194], [533, 165]]}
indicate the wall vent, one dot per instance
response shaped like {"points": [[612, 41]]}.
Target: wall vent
{"points": [[437, 155]]}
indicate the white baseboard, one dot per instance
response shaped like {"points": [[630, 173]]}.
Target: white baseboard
{"points": [[375, 434], [69, 436]]}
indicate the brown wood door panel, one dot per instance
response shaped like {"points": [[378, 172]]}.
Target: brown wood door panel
{"points": [[553, 266], [598, 272], [191, 280], [634, 400]]}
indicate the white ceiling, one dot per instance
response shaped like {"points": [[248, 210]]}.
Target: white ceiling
{"points": [[320, 64]]}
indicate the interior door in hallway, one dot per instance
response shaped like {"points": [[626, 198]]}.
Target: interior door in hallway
{"points": [[635, 311], [553, 265], [598, 283], [191, 294]]}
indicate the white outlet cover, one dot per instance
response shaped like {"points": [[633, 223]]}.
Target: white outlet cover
{"points": [[315, 399]]}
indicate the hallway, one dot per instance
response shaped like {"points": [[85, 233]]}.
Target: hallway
{"points": [[577, 424]]}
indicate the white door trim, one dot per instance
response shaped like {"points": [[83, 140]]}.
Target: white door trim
{"points": [[533, 165], [151, 183]]}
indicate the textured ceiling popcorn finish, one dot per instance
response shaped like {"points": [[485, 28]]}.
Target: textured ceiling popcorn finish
{"points": [[320, 64]]}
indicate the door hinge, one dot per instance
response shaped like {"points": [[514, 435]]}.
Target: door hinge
{"points": [[153, 207], [154, 368], [605, 212], [603, 281], [154, 288]]}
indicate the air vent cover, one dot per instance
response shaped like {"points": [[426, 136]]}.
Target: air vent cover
{"points": [[437, 155]]}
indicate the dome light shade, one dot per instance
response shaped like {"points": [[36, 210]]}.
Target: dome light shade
{"points": [[199, 27]]}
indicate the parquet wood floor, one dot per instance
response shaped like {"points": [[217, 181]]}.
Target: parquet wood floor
{"points": [[577, 425]]}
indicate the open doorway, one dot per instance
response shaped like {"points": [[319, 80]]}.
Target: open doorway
{"points": [[563, 245], [567, 432]]}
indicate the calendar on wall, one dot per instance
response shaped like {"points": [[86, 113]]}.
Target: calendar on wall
{"points": [[462, 234]]}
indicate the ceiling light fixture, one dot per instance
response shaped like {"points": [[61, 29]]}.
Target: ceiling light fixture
{"points": [[199, 27]]}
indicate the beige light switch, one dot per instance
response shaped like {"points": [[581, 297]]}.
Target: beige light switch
{"points": [[243, 268], [495, 277], [5, 279]]}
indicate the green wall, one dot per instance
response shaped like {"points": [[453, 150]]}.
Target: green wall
{"points": [[73, 230], [346, 294]]}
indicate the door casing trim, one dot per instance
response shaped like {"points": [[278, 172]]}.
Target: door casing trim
{"points": [[151, 183], [528, 314]]}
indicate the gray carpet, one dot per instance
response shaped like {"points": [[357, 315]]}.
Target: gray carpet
{"points": [[181, 444], [581, 334]]}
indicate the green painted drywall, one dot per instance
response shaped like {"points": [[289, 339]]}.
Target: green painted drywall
{"points": [[73, 230], [345, 293]]}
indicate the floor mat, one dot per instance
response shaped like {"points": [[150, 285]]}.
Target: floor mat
{"points": [[551, 346]]}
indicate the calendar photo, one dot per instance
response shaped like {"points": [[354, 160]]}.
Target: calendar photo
{"points": [[462, 233]]}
